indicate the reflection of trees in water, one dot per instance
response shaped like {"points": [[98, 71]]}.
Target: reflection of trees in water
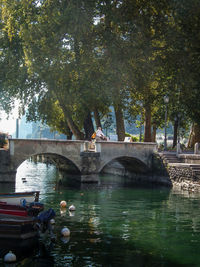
{"points": [[184, 205], [28, 251]]}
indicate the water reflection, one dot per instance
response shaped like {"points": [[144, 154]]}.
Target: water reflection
{"points": [[63, 211], [65, 239], [117, 223], [7, 187], [71, 213]]}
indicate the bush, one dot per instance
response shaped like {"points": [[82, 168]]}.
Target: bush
{"points": [[133, 138], [3, 140], [2, 143], [127, 135]]}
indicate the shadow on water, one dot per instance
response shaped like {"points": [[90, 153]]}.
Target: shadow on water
{"points": [[7, 187], [29, 252], [107, 181]]}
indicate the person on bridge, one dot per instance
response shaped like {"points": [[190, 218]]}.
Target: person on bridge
{"points": [[100, 135]]}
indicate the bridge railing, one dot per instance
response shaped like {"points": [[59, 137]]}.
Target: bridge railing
{"points": [[92, 146]]}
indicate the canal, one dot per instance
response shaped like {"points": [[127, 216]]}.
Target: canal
{"points": [[116, 223]]}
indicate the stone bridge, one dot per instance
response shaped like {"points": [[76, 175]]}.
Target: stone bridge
{"points": [[88, 159]]}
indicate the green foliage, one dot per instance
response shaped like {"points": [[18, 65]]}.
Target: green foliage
{"points": [[3, 140], [133, 138], [2, 143], [61, 59]]}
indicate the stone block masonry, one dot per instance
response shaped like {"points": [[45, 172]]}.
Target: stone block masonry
{"points": [[6, 171], [183, 170], [183, 176], [87, 160]]}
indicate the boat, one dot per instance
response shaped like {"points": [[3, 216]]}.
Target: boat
{"points": [[25, 227], [31, 209], [21, 217], [17, 227], [19, 198], [16, 210]]}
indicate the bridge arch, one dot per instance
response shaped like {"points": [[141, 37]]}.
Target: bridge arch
{"points": [[61, 162], [130, 164], [22, 149]]}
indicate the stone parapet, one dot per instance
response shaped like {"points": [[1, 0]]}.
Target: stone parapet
{"points": [[190, 158]]}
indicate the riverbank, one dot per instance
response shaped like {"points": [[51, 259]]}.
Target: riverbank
{"points": [[182, 169]]}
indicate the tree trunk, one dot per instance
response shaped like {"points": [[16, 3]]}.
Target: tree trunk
{"points": [[76, 132], [69, 133], [147, 123], [97, 118], [73, 127], [194, 135], [88, 126], [175, 133], [119, 123], [154, 133]]}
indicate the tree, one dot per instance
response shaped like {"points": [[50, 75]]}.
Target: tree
{"points": [[56, 39], [70, 60], [183, 59], [144, 25]]}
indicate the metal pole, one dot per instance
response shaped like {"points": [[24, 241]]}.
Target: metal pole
{"points": [[165, 141], [40, 132], [140, 132], [141, 125], [17, 128], [178, 128]]}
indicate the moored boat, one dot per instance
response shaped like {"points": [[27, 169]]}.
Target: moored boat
{"points": [[15, 210], [19, 198], [18, 227], [31, 209], [24, 227]]}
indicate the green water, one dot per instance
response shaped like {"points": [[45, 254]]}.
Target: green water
{"points": [[116, 223]]}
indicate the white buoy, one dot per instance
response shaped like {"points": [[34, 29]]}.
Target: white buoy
{"points": [[63, 204], [10, 257], [65, 232], [52, 221], [72, 208]]}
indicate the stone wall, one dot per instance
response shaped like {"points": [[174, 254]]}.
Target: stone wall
{"points": [[6, 173], [183, 177], [190, 158]]}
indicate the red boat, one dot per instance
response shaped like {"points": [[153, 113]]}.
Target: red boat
{"points": [[33, 209]]}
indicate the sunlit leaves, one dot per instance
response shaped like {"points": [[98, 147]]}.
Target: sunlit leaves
{"points": [[93, 54]]}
